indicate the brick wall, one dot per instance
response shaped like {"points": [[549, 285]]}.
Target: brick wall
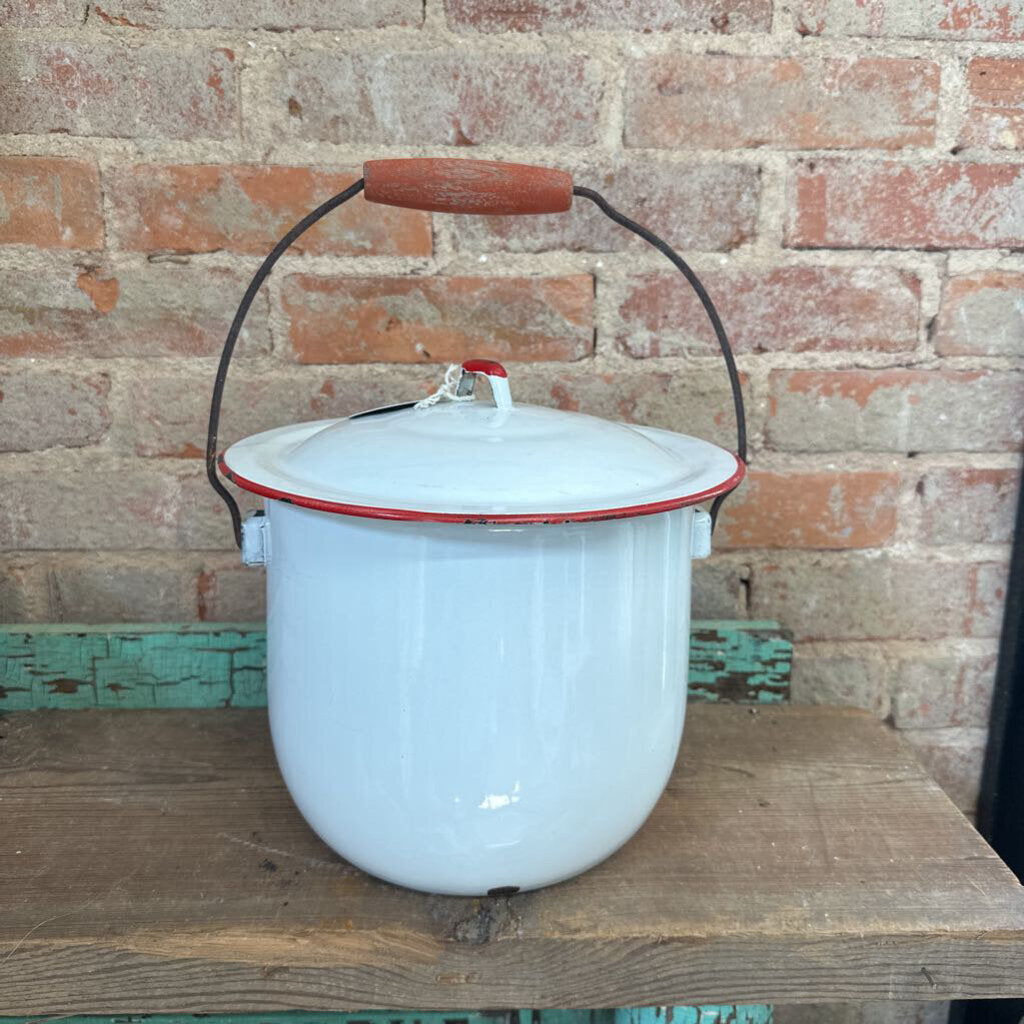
{"points": [[847, 176]]}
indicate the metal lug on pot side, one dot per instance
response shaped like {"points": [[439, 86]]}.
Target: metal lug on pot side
{"points": [[256, 539], [700, 544]]}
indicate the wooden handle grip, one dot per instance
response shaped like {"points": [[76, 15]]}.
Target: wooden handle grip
{"points": [[467, 186]]}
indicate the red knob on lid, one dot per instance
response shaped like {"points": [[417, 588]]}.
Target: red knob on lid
{"points": [[488, 367]]}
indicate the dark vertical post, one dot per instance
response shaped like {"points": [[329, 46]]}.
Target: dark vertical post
{"points": [[1001, 801]]}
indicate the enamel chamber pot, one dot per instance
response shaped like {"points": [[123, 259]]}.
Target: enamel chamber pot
{"points": [[478, 609]]}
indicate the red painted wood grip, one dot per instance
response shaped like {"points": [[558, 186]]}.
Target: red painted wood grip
{"points": [[467, 186]]}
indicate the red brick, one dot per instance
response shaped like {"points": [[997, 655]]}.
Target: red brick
{"points": [[88, 506], [430, 98], [907, 206], [982, 314], [438, 319], [154, 309], [847, 679], [19, 589], [352, 389], [936, 692], [610, 15], [41, 13], [895, 410], [869, 597], [966, 505], [999, 20], [719, 101], [95, 590], [50, 408], [268, 14], [783, 309], [718, 589], [106, 89], [695, 402], [236, 593], [201, 520], [167, 410], [202, 208], [856, 509], [104, 504], [697, 206], [995, 117], [50, 202]]}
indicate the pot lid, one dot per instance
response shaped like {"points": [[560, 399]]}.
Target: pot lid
{"points": [[454, 458]]}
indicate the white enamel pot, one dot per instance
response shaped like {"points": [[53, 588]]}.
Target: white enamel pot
{"points": [[477, 626]]}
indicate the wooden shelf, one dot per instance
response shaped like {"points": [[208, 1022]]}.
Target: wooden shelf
{"points": [[151, 861]]}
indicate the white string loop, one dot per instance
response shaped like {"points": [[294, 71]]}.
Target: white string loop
{"points": [[447, 390]]}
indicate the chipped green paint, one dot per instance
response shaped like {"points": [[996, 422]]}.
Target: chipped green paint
{"points": [[749, 1013], [208, 666], [740, 661], [148, 666]]}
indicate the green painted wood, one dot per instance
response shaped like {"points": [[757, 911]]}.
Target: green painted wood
{"points": [[748, 1013], [740, 661], [156, 666], [204, 666]]}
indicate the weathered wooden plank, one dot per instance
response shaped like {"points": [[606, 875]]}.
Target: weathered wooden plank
{"points": [[205, 666], [328, 1017], [799, 854], [200, 665], [718, 1014]]}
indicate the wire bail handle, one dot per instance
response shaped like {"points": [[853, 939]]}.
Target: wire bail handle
{"points": [[482, 187]]}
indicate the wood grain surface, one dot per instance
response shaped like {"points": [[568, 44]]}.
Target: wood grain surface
{"points": [[151, 861], [446, 185]]}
